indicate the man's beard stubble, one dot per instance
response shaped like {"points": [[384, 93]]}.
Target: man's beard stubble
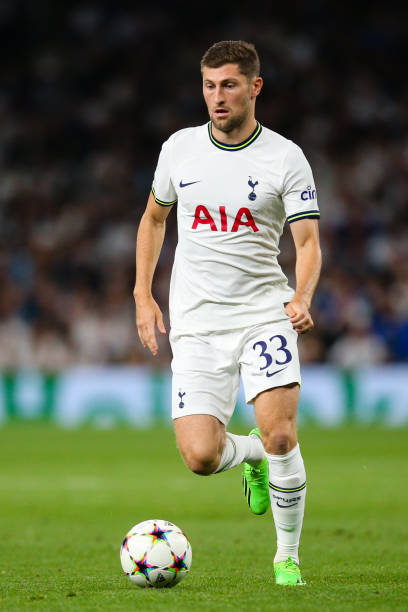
{"points": [[230, 124]]}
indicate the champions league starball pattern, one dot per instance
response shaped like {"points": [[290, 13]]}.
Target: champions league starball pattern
{"points": [[156, 553]]}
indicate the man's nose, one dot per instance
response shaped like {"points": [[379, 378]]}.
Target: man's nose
{"points": [[219, 95]]}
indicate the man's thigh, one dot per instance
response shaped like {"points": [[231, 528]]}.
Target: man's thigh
{"points": [[276, 407], [205, 376], [275, 414]]}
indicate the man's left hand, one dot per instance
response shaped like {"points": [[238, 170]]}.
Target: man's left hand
{"points": [[299, 314]]}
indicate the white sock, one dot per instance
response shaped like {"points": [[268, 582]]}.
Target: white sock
{"points": [[287, 488], [239, 449]]}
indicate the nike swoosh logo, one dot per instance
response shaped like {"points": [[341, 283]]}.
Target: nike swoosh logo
{"points": [[290, 505], [288, 530], [187, 184], [276, 372]]}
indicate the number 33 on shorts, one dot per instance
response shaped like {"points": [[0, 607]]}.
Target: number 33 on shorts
{"points": [[270, 358], [273, 353]]}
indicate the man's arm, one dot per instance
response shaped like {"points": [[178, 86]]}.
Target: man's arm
{"points": [[150, 238], [308, 263]]}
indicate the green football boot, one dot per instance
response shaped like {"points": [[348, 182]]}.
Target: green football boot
{"points": [[287, 573], [255, 481]]}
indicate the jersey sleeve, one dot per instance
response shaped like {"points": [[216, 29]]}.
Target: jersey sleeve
{"points": [[299, 191], [162, 188]]}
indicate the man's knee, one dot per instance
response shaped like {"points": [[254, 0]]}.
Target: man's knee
{"points": [[275, 411], [201, 461], [278, 442], [200, 439]]}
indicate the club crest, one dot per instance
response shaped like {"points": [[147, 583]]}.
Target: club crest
{"points": [[252, 194], [181, 395]]}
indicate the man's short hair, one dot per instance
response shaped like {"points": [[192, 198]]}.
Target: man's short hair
{"points": [[233, 52]]}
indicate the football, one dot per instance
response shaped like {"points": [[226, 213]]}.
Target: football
{"points": [[156, 553]]}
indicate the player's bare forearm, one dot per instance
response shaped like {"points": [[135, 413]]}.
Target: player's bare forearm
{"points": [[149, 243], [308, 264]]}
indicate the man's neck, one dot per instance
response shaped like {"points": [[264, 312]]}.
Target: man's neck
{"points": [[237, 135]]}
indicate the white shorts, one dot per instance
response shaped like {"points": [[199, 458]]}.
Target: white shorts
{"points": [[207, 366]]}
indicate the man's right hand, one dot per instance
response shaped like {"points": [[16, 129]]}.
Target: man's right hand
{"points": [[148, 315]]}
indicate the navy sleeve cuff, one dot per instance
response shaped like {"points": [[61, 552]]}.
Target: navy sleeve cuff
{"points": [[306, 214], [161, 202]]}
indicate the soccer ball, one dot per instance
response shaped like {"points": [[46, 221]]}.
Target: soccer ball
{"points": [[155, 553]]}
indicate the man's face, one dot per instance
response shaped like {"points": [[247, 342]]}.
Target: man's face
{"points": [[229, 95]]}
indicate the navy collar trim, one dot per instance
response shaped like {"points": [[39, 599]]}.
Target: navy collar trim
{"points": [[234, 147]]}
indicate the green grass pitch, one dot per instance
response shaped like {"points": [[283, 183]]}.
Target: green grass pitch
{"points": [[68, 498]]}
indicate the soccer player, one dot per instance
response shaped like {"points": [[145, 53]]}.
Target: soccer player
{"points": [[232, 313]]}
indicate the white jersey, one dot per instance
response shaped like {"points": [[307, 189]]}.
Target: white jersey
{"points": [[233, 201]]}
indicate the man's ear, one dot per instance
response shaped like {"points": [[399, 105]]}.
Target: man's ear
{"points": [[257, 84]]}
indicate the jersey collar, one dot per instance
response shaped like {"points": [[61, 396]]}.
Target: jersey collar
{"points": [[234, 147]]}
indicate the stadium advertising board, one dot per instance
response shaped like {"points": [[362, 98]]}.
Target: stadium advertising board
{"points": [[137, 396]]}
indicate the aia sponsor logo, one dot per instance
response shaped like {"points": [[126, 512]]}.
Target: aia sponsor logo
{"points": [[217, 223]]}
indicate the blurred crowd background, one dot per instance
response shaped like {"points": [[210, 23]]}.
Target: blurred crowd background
{"points": [[88, 93]]}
